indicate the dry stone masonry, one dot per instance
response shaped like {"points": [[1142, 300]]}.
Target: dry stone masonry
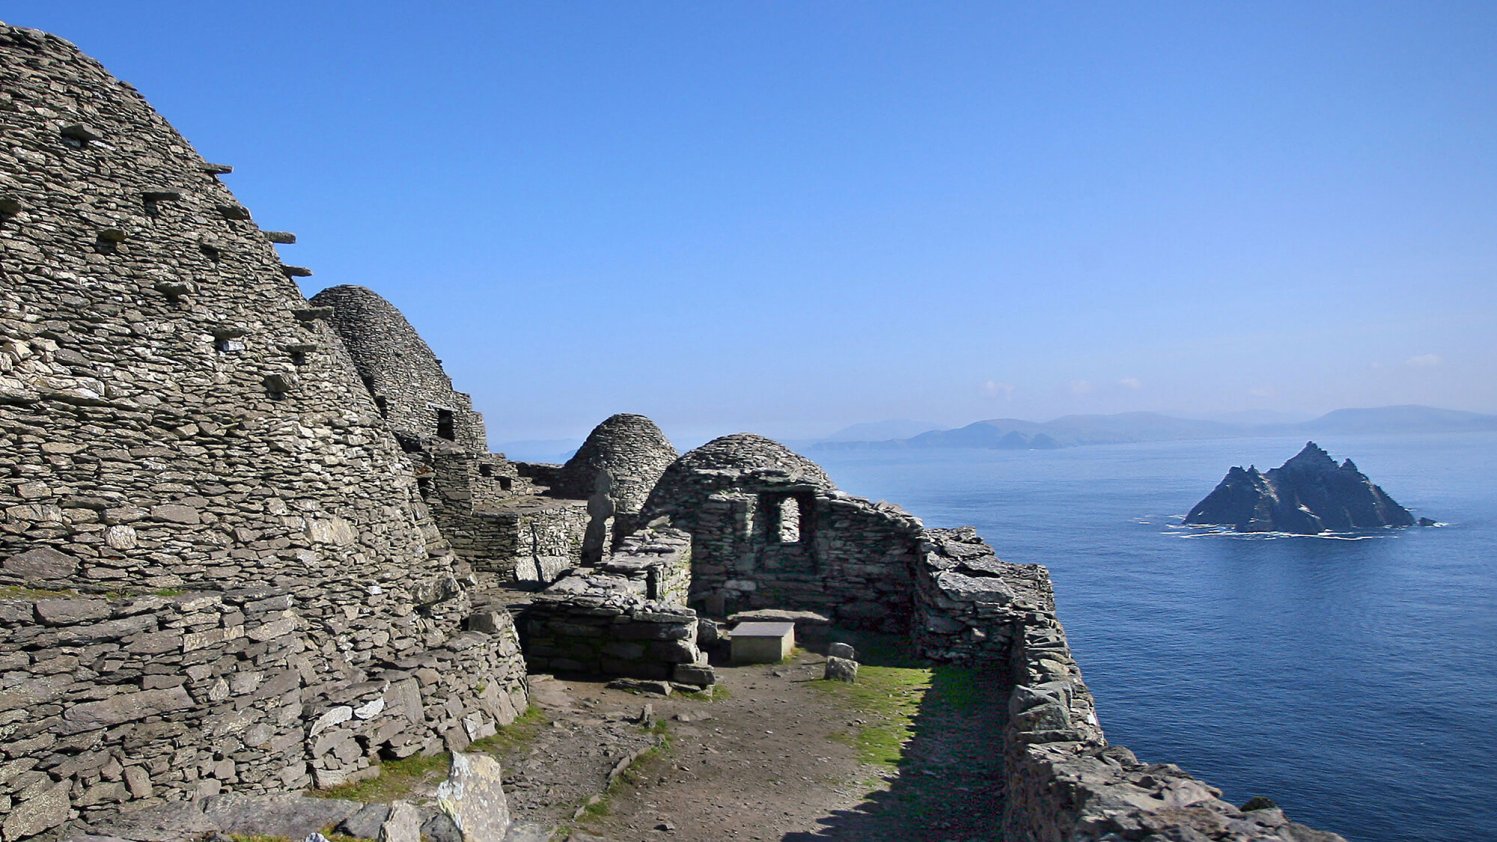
{"points": [[769, 530], [242, 535], [176, 419], [614, 470], [493, 515]]}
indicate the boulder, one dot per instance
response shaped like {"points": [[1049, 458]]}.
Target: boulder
{"points": [[473, 797], [841, 669]]}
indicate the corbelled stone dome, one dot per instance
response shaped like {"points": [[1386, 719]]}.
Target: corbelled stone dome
{"points": [[399, 369], [631, 450], [735, 461]]}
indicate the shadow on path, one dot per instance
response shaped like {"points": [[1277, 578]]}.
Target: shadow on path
{"points": [[948, 784]]}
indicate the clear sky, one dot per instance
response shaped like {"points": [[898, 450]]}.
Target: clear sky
{"points": [[788, 217]]}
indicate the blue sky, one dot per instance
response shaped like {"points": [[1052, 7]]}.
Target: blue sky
{"points": [[789, 217]]}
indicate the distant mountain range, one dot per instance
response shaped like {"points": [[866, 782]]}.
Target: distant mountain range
{"points": [[1077, 430]]}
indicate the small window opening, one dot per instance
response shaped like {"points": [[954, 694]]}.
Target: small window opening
{"points": [[446, 427], [368, 382], [382, 405], [505, 483], [423, 485], [298, 358], [485, 470], [789, 511], [213, 253], [228, 345]]}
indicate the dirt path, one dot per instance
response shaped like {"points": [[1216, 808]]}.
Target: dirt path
{"points": [[774, 758]]}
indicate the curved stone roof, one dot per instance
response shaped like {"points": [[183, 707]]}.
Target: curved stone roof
{"points": [[398, 366], [738, 460], [749, 453], [630, 449]]}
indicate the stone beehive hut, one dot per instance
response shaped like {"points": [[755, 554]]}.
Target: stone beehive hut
{"points": [[770, 530], [614, 470], [404, 377], [207, 527], [496, 518]]}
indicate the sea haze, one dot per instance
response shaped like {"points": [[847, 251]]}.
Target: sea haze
{"points": [[1349, 680]]}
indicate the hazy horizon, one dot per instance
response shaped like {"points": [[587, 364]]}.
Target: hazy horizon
{"points": [[791, 219]]}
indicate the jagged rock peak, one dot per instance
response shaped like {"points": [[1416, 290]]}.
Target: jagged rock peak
{"points": [[1307, 495]]}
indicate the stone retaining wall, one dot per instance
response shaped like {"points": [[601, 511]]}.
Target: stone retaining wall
{"points": [[112, 700], [108, 700], [1063, 781], [656, 564], [592, 624]]}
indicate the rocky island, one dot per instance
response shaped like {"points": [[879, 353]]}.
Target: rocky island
{"points": [[1308, 495]]}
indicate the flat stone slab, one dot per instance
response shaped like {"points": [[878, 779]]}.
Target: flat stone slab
{"points": [[764, 630], [808, 624], [762, 643]]}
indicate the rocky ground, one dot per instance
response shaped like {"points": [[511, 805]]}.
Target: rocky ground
{"points": [[774, 756], [776, 753]]}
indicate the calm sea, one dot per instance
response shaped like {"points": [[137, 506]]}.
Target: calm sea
{"points": [[1352, 681]]}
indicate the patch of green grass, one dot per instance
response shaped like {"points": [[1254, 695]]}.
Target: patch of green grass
{"points": [[21, 592], [256, 837], [397, 778], [713, 693], [518, 733], [893, 686], [169, 592], [886, 699]]}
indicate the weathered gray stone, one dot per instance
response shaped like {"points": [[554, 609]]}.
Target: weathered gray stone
{"points": [[41, 812], [125, 707], [366, 823], [41, 564], [64, 612], [402, 825], [473, 797], [841, 669]]}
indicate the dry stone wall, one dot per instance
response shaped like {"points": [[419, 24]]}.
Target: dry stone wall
{"points": [[175, 416], [615, 470], [171, 409], [769, 530], [1063, 782], [106, 701], [496, 518], [590, 623], [399, 369], [656, 563]]}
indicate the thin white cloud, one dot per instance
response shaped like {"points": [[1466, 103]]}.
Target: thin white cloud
{"points": [[994, 389], [1263, 392], [1081, 387], [1131, 383], [1424, 360]]}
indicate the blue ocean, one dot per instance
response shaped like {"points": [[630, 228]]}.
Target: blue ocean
{"points": [[1351, 679]]}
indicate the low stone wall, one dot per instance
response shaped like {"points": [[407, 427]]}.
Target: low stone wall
{"points": [[442, 699], [656, 563], [108, 701], [593, 624], [967, 602]]}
